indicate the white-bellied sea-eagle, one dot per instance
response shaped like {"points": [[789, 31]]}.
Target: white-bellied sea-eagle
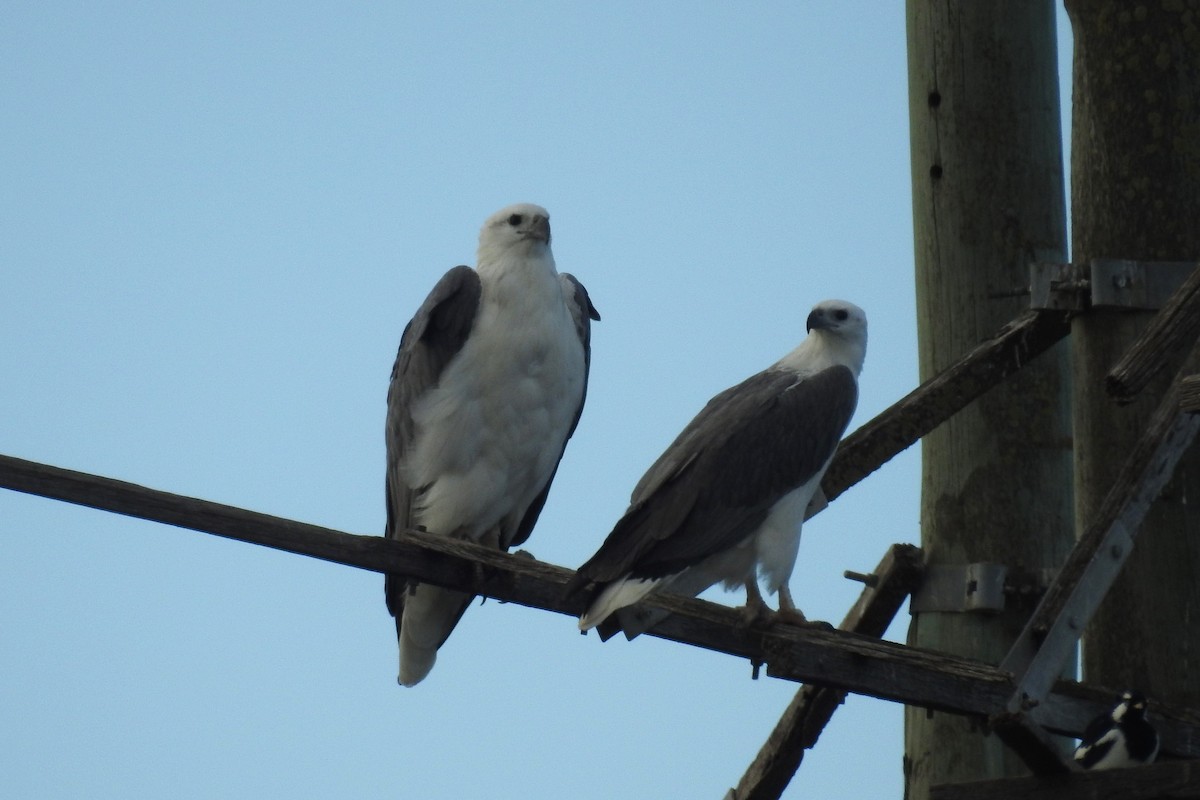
{"points": [[487, 387], [726, 500]]}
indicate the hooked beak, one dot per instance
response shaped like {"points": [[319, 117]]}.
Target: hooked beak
{"points": [[539, 228], [817, 319]]}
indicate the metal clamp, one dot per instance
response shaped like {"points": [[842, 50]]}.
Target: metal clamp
{"points": [[960, 587], [982, 587], [1111, 283]]}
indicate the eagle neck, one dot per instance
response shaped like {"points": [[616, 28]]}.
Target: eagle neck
{"points": [[822, 350], [521, 279]]}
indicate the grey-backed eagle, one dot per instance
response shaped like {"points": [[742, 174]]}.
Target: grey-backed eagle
{"points": [[487, 387], [726, 500]]}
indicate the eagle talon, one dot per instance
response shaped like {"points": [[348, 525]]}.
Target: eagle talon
{"points": [[816, 624], [788, 614], [756, 611], [756, 615], [792, 616]]}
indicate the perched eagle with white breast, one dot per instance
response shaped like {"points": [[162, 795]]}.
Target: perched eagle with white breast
{"points": [[487, 387], [726, 500]]}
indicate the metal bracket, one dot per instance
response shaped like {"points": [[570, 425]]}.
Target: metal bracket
{"points": [[980, 587], [1137, 284], [1106, 283], [960, 587], [1058, 287]]}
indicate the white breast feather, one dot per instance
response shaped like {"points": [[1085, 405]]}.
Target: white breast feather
{"points": [[777, 541], [490, 434]]}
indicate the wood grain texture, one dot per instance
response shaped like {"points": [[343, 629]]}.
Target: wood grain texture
{"points": [[988, 199], [809, 653], [1042, 753], [1169, 779], [938, 399], [1174, 330], [798, 729], [1189, 394], [1049, 638], [1135, 194]]}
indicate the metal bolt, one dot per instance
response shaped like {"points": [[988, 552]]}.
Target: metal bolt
{"points": [[870, 579]]}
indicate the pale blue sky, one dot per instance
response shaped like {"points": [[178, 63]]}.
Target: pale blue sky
{"points": [[215, 221]]}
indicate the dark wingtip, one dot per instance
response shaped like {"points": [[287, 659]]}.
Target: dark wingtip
{"points": [[609, 628]]}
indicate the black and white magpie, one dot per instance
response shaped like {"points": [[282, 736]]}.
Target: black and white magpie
{"points": [[1121, 738]]}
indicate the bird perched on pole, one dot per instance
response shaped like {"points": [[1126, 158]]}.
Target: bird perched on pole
{"points": [[1121, 738], [726, 500], [487, 387]]}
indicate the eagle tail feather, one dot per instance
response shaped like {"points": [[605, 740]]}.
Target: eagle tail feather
{"points": [[618, 594], [430, 614]]}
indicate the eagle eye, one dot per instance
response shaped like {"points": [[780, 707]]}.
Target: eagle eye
{"points": [[841, 314], [514, 220]]}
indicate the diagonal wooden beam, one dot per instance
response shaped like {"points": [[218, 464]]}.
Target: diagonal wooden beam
{"points": [[811, 654], [1042, 753], [1173, 780], [1037, 657], [937, 399], [798, 653], [1189, 395], [1174, 330], [897, 575]]}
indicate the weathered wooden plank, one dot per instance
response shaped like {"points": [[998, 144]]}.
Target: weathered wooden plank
{"points": [[812, 654], [1173, 331], [1189, 394], [1037, 749], [1166, 779], [933, 402], [435, 559], [799, 653], [1037, 657], [897, 575]]}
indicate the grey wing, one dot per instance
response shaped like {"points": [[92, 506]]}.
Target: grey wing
{"points": [[665, 495], [715, 484], [430, 340], [579, 303], [713, 421]]}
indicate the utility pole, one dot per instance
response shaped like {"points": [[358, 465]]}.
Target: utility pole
{"points": [[1135, 194], [988, 199]]}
